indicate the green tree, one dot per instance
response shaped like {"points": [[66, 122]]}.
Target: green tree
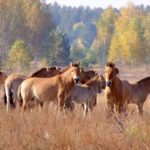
{"points": [[58, 48], [19, 57]]}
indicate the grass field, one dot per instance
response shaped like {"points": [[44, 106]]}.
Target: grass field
{"points": [[46, 130]]}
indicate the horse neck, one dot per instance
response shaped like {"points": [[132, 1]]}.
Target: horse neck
{"points": [[115, 83], [95, 87], [94, 84], [67, 79], [145, 86]]}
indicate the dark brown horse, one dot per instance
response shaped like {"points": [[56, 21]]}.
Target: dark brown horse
{"points": [[85, 76]]}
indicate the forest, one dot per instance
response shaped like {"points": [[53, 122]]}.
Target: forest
{"points": [[33, 32]]}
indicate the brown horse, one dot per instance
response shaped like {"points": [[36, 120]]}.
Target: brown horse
{"points": [[3, 77], [86, 94], [139, 92], [14, 80], [121, 92], [51, 88], [85, 76], [116, 91]]}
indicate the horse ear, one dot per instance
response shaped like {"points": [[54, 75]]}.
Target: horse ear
{"points": [[78, 63], [82, 69], [47, 68], [71, 64], [116, 70]]}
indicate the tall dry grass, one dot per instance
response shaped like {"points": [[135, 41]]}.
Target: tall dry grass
{"points": [[47, 130]]}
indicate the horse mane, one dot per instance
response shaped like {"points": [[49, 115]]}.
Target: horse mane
{"points": [[42, 70], [145, 80], [93, 80], [37, 72], [110, 64]]}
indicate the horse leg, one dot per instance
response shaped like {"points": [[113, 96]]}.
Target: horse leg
{"points": [[120, 108], [140, 108], [7, 92], [85, 109], [110, 106], [41, 104], [25, 99], [61, 101]]}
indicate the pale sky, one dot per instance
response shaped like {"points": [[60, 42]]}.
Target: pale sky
{"points": [[99, 3]]}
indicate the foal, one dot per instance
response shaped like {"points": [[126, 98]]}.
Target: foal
{"points": [[86, 94]]}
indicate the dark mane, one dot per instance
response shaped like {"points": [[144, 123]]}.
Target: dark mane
{"points": [[93, 80], [110, 64], [37, 72], [144, 80]]}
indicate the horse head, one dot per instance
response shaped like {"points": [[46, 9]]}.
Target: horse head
{"points": [[110, 73], [75, 71]]}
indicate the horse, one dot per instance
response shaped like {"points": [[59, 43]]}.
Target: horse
{"points": [[14, 80], [49, 89], [139, 92], [86, 94], [121, 92], [3, 77], [116, 90], [85, 76]]}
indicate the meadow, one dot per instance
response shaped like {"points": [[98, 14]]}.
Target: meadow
{"points": [[46, 130]]}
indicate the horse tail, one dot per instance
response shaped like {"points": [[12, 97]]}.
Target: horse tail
{"points": [[5, 98], [8, 97], [19, 97]]}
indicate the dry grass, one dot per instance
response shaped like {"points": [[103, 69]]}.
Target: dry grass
{"points": [[47, 130]]}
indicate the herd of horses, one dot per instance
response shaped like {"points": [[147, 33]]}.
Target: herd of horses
{"points": [[73, 85]]}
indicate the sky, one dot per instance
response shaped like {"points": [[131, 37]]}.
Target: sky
{"points": [[99, 3]]}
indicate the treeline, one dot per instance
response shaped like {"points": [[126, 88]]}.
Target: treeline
{"points": [[29, 25], [32, 31], [124, 36]]}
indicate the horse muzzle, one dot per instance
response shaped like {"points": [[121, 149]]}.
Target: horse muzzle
{"points": [[108, 83], [76, 80], [99, 91]]}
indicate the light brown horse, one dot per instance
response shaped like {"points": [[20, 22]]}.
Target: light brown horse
{"points": [[121, 92], [14, 80], [86, 94], [51, 88]]}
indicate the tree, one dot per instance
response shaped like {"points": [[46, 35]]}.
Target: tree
{"points": [[19, 57], [127, 41], [105, 28], [146, 25], [58, 48]]}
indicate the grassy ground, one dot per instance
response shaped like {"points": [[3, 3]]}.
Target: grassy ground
{"points": [[47, 130]]}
